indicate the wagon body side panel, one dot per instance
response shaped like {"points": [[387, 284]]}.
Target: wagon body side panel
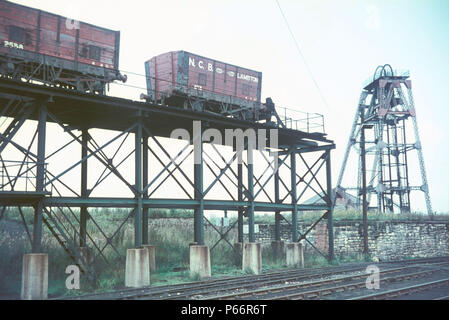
{"points": [[37, 37]]}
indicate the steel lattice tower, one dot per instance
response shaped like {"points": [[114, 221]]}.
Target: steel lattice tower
{"points": [[379, 137]]}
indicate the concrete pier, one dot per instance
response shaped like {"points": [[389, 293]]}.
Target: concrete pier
{"points": [[252, 258], [152, 256], [35, 277], [278, 248], [137, 272], [200, 261], [294, 255]]}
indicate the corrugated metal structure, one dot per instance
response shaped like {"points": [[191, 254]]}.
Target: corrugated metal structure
{"points": [[343, 200]]}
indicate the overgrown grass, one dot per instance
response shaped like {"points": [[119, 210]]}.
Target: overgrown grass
{"points": [[109, 214], [315, 261], [220, 270], [318, 261], [272, 259], [172, 253], [171, 241], [10, 267], [352, 258], [311, 216], [377, 216]]}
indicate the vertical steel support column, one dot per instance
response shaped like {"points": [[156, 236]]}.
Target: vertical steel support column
{"points": [[295, 237], [250, 158], [277, 229], [40, 179], [418, 145], [83, 209], [145, 212], [138, 172], [380, 136], [330, 214], [240, 198], [364, 199], [198, 182]]}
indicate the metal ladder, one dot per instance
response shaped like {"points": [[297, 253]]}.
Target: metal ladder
{"points": [[69, 245]]}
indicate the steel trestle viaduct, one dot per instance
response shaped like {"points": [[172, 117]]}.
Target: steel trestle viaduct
{"points": [[74, 111]]}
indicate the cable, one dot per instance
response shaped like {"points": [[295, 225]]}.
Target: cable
{"points": [[303, 58]]}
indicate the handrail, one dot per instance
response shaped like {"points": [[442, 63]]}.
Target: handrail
{"points": [[19, 175]]}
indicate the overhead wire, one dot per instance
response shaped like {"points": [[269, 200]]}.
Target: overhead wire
{"points": [[309, 70]]}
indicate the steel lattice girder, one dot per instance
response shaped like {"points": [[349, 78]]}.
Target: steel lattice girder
{"points": [[71, 108], [172, 204], [384, 111]]}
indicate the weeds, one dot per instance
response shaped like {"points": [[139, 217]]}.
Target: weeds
{"points": [[172, 253], [315, 261], [196, 277], [272, 259], [339, 215], [248, 271]]}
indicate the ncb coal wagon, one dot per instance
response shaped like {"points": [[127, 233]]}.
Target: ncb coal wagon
{"points": [[42, 46], [198, 83]]}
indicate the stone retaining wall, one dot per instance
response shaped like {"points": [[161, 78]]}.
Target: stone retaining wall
{"points": [[388, 240]]}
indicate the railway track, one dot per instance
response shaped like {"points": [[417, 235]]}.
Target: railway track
{"points": [[322, 288], [275, 284], [228, 283], [406, 291]]}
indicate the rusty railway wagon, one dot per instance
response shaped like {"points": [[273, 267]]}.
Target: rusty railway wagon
{"points": [[184, 79], [45, 47]]}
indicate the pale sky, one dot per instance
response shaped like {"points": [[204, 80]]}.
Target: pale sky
{"points": [[343, 42]]}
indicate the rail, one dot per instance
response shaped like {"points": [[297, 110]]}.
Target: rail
{"points": [[406, 291], [227, 103], [320, 279]]}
